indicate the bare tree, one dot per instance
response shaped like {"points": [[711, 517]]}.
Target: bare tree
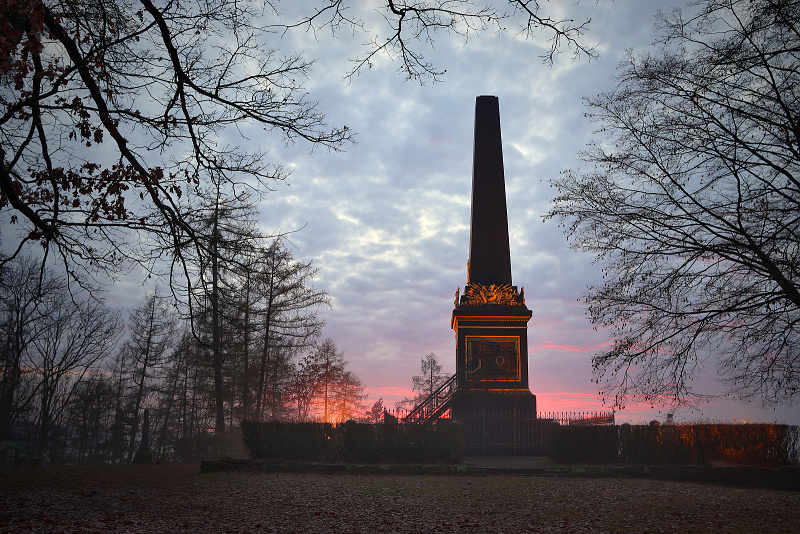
{"points": [[52, 340], [322, 383], [75, 336], [90, 420], [288, 307], [75, 75], [112, 112], [327, 365], [226, 232], [348, 397], [300, 389], [24, 287], [431, 377], [425, 383], [412, 24], [189, 371], [693, 206], [153, 327], [113, 121]]}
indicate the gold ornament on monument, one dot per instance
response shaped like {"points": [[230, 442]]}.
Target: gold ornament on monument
{"points": [[491, 295]]}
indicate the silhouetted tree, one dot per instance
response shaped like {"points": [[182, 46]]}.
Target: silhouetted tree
{"points": [[431, 377], [52, 340], [425, 383], [90, 419], [693, 206], [78, 145], [111, 140], [75, 75], [23, 289], [375, 414], [413, 24], [153, 326], [76, 335], [287, 305], [322, 383], [300, 389], [225, 228], [189, 371], [348, 397], [325, 366]]}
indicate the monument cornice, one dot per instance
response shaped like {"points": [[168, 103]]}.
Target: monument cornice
{"points": [[489, 321]]}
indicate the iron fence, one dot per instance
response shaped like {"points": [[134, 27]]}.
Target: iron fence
{"points": [[579, 418], [489, 432], [518, 433]]}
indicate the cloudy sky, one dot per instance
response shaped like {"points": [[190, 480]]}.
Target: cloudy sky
{"points": [[387, 221]]}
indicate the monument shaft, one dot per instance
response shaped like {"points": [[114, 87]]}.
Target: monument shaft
{"points": [[489, 252]]}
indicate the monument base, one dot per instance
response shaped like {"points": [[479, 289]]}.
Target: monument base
{"points": [[514, 400], [499, 423]]}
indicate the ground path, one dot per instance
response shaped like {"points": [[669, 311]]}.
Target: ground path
{"points": [[178, 498]]}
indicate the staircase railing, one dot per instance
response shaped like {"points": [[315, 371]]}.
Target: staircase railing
{"points": [[437, 403]]}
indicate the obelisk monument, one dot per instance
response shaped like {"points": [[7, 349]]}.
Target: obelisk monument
{"points": [[490, 319]]}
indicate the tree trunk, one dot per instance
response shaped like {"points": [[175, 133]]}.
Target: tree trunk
{"points": [[262, 377], [219, 428], [246, 352], [140, 393]]}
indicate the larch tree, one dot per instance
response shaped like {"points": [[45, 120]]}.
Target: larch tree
{"points": [[348, 398], [226, 230], [430, 379], [424, 384], [287, 307], [321, 370], [152, 336]]}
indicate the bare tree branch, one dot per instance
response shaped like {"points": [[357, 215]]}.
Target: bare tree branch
{"points": [[693, 207]]}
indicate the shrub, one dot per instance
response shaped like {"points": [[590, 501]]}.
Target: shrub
{"points": [[448, 445], [291, 441], [579, 444], [754, 444], [655, 445], [443, 442], [359, 442]]}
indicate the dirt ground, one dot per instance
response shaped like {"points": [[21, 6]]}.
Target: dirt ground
{"points": [[179, 498]]}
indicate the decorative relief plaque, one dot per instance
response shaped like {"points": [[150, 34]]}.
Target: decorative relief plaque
{"points": [[493, 358], [492, 295]]}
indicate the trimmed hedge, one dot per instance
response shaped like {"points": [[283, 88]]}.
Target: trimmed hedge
{"points": [[753, 444], [355, 442], [297, 441], [577, 444]]}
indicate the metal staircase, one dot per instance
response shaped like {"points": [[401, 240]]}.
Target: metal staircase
{"points": [[438, 402]]}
